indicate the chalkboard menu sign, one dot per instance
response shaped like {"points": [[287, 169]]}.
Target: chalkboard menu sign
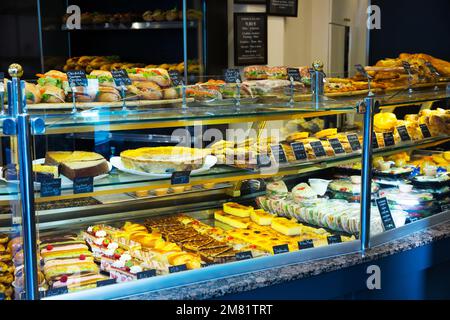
{"points": [[250, 38], [285, 8], [278, 153], [388, 139], [121, 77], [403, 132], [77, 78], [385, 213], [299, 151], [425, 131]]}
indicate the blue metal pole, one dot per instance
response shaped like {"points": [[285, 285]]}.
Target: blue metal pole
{"points": [[185, 55]]}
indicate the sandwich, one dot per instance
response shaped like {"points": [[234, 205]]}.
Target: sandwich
{"points": [[157, 75], [255, 72], [51, 85], [107, 91], [149, 90], [32, 93]]}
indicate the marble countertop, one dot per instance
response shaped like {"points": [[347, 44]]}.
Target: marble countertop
{"points": [[263, 278]]}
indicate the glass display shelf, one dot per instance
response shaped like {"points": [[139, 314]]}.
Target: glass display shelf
{"points": [[121, 182], [139, 25]]}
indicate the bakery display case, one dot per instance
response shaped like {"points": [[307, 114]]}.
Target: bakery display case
{"points": [[135, 199]]}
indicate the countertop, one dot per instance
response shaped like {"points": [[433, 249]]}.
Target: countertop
{"points": [[254, 280]]}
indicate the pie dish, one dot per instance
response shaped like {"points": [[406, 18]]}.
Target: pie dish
{"points": [[161, 160]]}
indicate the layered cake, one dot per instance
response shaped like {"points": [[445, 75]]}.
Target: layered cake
{"points": [[164, 159], [77, 164]]}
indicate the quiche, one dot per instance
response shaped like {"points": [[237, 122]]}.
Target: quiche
{"points": [[164, 159]]}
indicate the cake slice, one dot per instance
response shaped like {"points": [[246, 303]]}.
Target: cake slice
{"points": [[58, 157], [286, 227], [261, 217], [236, 209], [78, 169], [236, 222]]}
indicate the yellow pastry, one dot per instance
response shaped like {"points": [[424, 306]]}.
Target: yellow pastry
{"points": [[236, 209], [209, 185], [385, 121], [178, 189], [325, 133], [286, 226], [236, 222], [142, 193], [161, 192], [261, 217]]}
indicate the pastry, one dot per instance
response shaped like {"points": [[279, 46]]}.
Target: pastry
{"points": [[232, 220], [164, 159], [42, 172], [236, 209], [261, 217], [209, 185], [142, 193], [325, 133], [177, 189], [161, 192], [75, 164], [286, 227]]}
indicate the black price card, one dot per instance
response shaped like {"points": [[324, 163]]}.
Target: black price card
{"points": [[388, 139], [318, 149], [232, 75], [263, 160], [56, 291], [294, 73], [305, 244], [146, 274], [334, 239], [181, 267], [354, 142], [77, 78], [425, 131], [375, 144], [278, 153], [337, 146], [176, 78], [208, 264], [283, 248], [285, 8], [104, 283], [121, 78], [50, 187], [250, 39], [362, 70], [180, 177], [244, 255], [403, 132], [385, 213], [299, 151], [83, 185], [432, 68]]}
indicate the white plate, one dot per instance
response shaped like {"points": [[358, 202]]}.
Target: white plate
{"points": [[210, 161], [65, 182]]}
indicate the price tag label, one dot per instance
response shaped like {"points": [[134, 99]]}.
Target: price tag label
{"points": [[180, 177], [263, 160], [77, 78], [432, 68], [362, 70], [231, 75], [56, 291], [425, 131], [244, 255], [334, 239], [375, 144], [305, 244], [403, 132], [51, 187], [176, 78], [354, 142], [83, 185], [283, 248], [278, 153], [388, 139], [294, 73], [104, 283], [146, 274], [318, 149], [181, 267], [337, 146], [299, 151], [121, 78], [207, 264], [385, 213]]}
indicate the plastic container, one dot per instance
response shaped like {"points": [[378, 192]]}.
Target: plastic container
{"points": [[319, 186]]}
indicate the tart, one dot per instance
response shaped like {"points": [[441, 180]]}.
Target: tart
{"points": [[164, 159]]}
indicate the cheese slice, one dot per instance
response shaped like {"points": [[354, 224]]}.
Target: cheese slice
{"points": [[236, 222], [286, 227]]}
